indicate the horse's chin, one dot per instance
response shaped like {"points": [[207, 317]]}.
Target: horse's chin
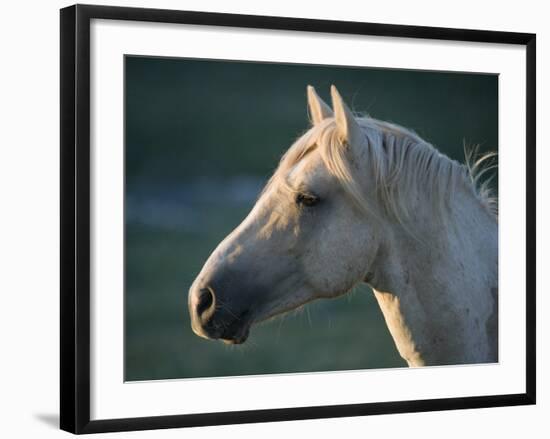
{"points": [[238, 338]]}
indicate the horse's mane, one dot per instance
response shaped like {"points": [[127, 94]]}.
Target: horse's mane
{"points": [[403, 164]]}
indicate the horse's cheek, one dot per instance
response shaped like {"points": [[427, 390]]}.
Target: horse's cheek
{"points": [[335, 261]]}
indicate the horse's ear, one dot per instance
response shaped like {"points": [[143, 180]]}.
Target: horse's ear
{"points": [[318, 110], [345, 121]]}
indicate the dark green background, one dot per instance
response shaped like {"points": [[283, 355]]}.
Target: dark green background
{"points": [[202, 137]]}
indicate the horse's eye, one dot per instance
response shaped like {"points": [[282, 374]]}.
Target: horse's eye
{"points": [[307, 199]]}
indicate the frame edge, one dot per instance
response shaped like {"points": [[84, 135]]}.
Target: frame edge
{"points": [[75, 219], [531, 217], [67, 419]]}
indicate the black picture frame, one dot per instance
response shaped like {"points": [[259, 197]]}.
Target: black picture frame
{"points": [[75, 217]]}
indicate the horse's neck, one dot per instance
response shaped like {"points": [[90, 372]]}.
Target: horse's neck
{"points": [[439, 297]]}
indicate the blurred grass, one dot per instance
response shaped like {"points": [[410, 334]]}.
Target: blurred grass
{"points": [[195, 126], [188, 117]]}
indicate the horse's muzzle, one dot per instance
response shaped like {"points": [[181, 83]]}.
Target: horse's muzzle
{"points": [[213, 320]]}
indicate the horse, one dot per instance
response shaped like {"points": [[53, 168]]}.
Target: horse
{"points": [[354, 200]]}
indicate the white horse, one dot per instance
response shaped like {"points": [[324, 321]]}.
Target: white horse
{"points": [[359, 200]]}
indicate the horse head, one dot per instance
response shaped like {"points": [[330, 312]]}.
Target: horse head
{"points": [[307, 237]]}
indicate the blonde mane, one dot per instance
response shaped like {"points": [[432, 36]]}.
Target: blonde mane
{"points": [[403, 166]]}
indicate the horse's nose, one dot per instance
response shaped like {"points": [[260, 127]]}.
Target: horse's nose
{"points": [[205, 304], [211, 320], [202, 304]]}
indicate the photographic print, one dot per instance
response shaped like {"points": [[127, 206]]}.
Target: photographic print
{"points": [[293, 218]]}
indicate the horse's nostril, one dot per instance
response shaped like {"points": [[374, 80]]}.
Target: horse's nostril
{"points": [[206, 299]]}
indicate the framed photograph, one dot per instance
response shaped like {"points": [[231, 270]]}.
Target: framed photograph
{"points": [[275, 218]]}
